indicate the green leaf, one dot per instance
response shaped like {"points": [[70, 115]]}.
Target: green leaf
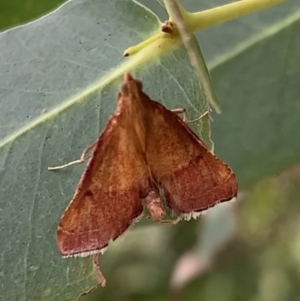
{"points": [[219, 41], [70, 63], [259, 88]]}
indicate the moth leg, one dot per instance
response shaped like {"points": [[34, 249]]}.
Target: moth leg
{"points": [[183, 111], [165, 221], [81, 160], [200, 117], [96, 262], [185, 115], [170, 221]]}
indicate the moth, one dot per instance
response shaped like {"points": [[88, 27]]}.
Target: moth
{"points": [[144, 152]]}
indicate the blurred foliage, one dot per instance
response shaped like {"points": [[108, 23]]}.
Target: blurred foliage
{"points": [[16, 12], [262, 262]]}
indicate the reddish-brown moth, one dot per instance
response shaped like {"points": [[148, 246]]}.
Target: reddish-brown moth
{"points": [[145, 150]]}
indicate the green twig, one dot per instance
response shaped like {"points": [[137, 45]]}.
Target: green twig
{"points": [[203, 19]]}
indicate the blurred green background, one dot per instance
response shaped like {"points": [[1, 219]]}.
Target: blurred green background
{"points": [[257, 259], [15, 12]]}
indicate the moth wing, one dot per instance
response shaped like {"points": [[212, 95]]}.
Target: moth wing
{"points": [[107, 200], [191, 177]]}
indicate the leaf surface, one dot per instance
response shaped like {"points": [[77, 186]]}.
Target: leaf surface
{"points": [[59, 78]]}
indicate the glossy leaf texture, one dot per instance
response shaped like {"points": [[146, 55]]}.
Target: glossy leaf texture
{"points": [[56, 96]]}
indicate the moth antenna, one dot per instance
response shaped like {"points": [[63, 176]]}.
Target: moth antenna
{"points": [[128, 77]]}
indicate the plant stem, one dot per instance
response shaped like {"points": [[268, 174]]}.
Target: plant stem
{"points": [[203, 19], [195, 54]]}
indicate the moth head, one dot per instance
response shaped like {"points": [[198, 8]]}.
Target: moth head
{"points": [[130, 86]]}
